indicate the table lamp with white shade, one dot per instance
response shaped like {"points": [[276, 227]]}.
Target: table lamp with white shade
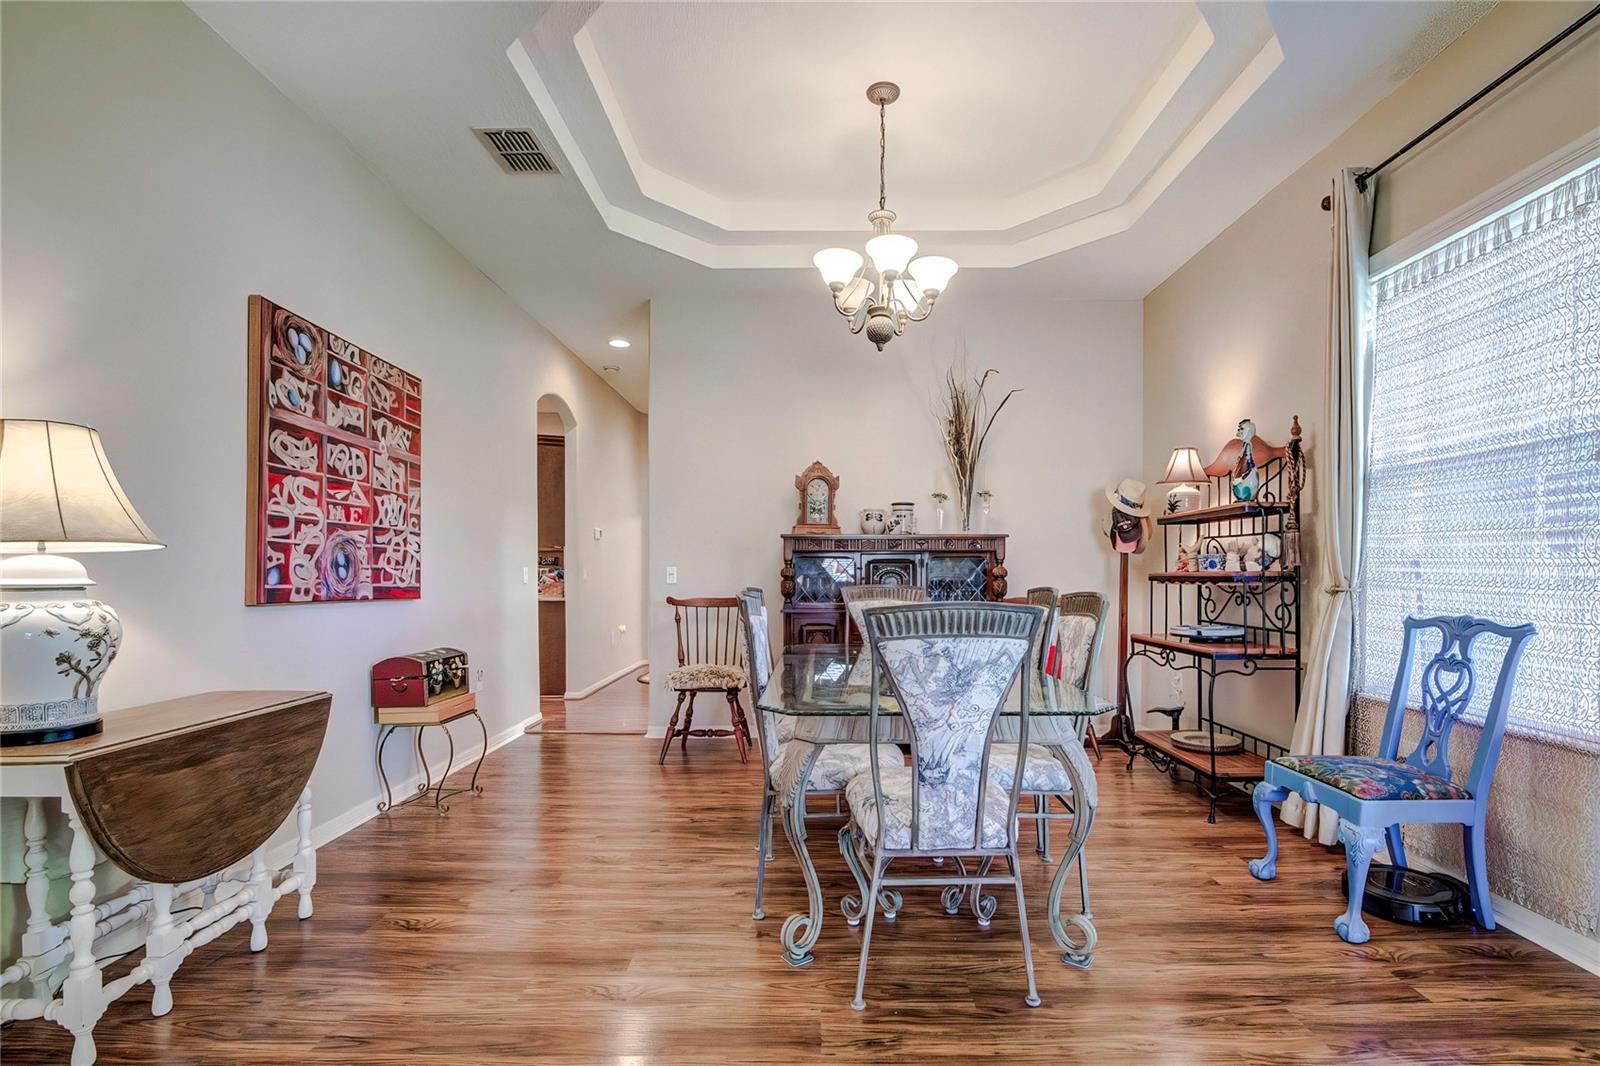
{"points": [[57, 494], [1186, 473]]}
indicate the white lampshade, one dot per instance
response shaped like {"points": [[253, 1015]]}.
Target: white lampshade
{"points": [[1185, 468], [837, 266], [891, 252], [853, 295], [933, 272], [58, 494]]}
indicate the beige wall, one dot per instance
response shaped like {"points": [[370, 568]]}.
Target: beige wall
{"points": [[1240, 329], [745, 394], [152, 181]]}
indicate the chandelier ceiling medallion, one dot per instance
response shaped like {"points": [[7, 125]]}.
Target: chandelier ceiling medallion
{"points": [[896, 289]]}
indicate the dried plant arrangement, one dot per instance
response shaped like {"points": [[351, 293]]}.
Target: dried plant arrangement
{"points": [[965, 419]]}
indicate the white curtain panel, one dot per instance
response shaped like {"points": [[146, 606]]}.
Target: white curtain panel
{"points": [[1338, 466]]}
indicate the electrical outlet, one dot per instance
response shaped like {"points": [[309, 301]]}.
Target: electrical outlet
{"points": [[1175, 686], [672, 575], [482, 679], [524, 575]]}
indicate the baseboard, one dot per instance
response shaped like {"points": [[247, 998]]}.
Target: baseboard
{"points": [[324, 833], [1552, 936], [585, 693]]}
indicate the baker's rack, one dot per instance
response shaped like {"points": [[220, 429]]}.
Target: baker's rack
{"points": [[1264, 603]]}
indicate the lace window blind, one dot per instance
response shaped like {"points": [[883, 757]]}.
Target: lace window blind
{"points": [[1483, 495]]}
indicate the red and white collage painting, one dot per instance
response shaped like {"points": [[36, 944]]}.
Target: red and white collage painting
{"points": [[337, 504]]}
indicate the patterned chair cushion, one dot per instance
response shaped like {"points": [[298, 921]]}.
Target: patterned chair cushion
{"points": [[1374, 779], [897, 803], [1074, 639], [835, 767], [704, 675], [1043, 772]]}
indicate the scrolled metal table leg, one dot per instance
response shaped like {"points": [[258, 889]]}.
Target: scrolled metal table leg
{"points": [[388, 795], [450, 761], [1077, 953], [475, 787], [801, 931]]}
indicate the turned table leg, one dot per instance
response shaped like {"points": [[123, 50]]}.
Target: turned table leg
{"points": [[305, 856], [82, 1000]]}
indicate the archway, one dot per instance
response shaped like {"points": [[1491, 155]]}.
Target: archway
{"points": [[556, 485]]}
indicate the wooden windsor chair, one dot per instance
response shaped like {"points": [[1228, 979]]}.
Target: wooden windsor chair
{"points": [[707, 629]]}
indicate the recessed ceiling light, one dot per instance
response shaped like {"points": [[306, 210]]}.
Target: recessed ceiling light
{"points": [[618, 342]]}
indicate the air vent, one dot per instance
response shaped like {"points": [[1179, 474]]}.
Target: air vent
{"points": [[518, 151]]}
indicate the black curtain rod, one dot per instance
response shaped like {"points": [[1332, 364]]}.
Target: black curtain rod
{"points": [[1372, 172]]}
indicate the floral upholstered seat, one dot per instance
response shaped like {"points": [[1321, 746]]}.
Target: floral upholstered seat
{"points": [[1042, 773], [836, 765], [897, 783], [1374, 779], [704, 675]]}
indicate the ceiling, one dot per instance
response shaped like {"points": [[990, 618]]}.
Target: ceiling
{"points": [[1080, 150]]}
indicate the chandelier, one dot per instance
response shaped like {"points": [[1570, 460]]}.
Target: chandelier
{"points": [[896, 289]]}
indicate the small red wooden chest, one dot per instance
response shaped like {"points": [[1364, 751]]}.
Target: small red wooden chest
{"points": [[419, 679]]}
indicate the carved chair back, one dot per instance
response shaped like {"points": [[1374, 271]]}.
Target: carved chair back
{"points": [[756, 650], [857, 598], [949, 667], [707, 629], [1080, 629], [1448, 681]]}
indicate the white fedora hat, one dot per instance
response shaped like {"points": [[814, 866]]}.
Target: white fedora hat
{"points": [[1128, 497]]}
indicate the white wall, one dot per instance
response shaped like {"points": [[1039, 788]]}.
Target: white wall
{"points": [[152, 181], [745, 394]]}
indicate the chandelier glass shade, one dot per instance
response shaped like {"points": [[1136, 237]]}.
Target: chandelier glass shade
{"points": [[897, 288]]}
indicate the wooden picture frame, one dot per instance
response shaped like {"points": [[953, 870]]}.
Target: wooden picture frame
{"points": [[333, 498]]}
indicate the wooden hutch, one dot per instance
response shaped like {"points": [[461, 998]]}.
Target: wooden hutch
{"points": [[951, 566]]}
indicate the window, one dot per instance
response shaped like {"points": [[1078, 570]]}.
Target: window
{"points": [[1484, 484]]}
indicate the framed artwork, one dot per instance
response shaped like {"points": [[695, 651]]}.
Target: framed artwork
{"points": [[334, 494]]}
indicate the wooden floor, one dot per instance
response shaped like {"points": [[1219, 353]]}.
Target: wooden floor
{"points": [[621, 707], [593, 907]]}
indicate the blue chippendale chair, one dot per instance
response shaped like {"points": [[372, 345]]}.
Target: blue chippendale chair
{"points": [[1374, 797]]}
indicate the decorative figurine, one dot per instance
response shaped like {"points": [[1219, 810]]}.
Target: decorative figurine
{"points": [[1246, 478], [1130, 518]]}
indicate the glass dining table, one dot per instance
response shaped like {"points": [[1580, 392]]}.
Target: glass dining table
{"points": [[826, 690]]}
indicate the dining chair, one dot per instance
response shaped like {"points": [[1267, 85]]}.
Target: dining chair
{"points": [[1079, 627], [708, 661], [783, 758], [949, 668], [1375, 796], [857, 598], [1044, 598]]}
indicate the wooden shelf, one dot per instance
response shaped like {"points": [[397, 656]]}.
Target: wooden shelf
{"points": [[1224, 576], [1213, 649], [433, 714], [1222, 513], [1235, 766]]}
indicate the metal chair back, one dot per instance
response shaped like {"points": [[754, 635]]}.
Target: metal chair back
{"points": [[949, 667], [1080, 631], [857, 598]]}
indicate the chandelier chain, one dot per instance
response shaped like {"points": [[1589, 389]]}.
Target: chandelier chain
{"points": [[883, 150]]}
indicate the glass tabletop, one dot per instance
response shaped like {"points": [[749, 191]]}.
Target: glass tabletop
{"points": [[825, 680]]}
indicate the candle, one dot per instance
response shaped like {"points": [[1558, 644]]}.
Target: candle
{"points": [[938, 482]]}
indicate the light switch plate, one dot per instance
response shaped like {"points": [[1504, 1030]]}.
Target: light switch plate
{"points": [[672, 575]]}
